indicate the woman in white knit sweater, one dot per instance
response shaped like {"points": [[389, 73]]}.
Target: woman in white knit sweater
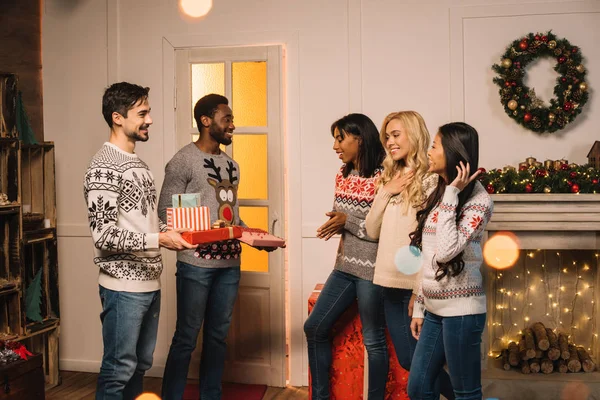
{"points": [[403, 187], [449, 232]]}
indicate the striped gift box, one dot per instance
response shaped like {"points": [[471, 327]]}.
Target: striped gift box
{"points": [[192, 218]]}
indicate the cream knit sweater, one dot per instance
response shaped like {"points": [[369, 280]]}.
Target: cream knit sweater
{"points": [[388, 221]]}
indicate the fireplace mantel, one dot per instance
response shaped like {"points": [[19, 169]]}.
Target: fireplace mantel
{"points": [[550, 221], [547, 212]]}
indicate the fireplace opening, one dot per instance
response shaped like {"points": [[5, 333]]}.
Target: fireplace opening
{"points": [[544, 306]]}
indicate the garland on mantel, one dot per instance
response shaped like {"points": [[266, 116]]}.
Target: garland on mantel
{"points": [[534, 177]]}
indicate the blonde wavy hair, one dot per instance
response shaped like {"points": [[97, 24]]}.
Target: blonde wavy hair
{"points": [[416, 159]]}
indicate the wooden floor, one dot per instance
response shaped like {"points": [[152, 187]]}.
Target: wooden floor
{"points": [[82, 385]]}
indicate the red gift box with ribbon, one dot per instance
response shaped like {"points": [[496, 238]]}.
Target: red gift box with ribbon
{"points": [[212, 235], [192, 218]]}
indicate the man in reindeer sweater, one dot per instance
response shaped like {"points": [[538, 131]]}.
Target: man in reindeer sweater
{"points": [[208, 278]]}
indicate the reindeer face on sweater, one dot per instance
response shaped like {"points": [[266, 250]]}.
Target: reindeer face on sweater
{"points": [[225, 189]]}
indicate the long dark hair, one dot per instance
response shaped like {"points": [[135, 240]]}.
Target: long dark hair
{"points": [[370, 149], [460, 142]]}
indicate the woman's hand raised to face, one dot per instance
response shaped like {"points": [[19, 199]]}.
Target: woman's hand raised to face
{"points": [[399, 183], [463, 178]]}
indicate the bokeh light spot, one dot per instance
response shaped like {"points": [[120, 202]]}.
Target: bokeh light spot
{"points": [[501, 250]]}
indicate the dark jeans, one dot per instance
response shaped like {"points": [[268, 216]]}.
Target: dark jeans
{"points": [[339, 292], [456, 340], [396, 303], [203, 295], [129, 328]]}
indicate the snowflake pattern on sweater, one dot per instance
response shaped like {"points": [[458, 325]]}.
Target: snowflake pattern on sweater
{"points": [[354, 196], [443, 239], [121, 198]]}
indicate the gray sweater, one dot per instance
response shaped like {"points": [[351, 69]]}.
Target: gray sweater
{"points": [[216, 177], [353, 196]]}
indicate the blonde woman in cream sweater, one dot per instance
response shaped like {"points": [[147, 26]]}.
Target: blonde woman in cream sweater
{"points": [[403, 187]]}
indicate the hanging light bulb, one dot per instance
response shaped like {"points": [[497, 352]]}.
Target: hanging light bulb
{"points": [[195, 8]]}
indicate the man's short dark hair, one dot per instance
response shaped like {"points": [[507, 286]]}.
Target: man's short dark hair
{"points": [[207, 106], [122, 97]]}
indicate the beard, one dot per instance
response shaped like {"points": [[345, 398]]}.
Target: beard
{"points": [[137, 136], [218, 133]]}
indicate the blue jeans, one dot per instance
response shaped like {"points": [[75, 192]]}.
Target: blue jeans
{"points": [[456, 340], [396, 303], [129, 328], [339, 292], [204, 295]]}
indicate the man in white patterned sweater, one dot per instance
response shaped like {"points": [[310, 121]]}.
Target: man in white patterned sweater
{"points": [[127, 233]]}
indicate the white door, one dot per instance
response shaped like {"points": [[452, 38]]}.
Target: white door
{"points": [[250, 78]]}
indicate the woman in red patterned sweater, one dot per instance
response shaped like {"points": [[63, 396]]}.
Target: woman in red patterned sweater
{"points": [[356, 141]]}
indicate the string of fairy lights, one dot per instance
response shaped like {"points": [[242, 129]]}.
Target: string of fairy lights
{"points": [[517, 298]]}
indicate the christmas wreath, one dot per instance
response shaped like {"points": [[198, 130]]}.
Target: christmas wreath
{"points": [[521, 102]]}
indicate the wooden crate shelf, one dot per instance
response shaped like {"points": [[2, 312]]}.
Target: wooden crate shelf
{"points": [[10, 151], [38, 194], [39, 254], [10, 315], [10, 245], [8, 105], [45, 342]]}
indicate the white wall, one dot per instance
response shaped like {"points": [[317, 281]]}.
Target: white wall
{"points": [[376, 56]]}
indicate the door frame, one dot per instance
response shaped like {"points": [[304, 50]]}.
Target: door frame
{"points": [[290, 111]]}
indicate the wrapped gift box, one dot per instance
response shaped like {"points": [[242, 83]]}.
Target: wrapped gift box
{"points": [[348, 378], [186, 200], [259, 238], [212, 235], [192, 218]]}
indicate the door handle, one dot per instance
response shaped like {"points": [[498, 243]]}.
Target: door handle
{"points": [[273, 225]]}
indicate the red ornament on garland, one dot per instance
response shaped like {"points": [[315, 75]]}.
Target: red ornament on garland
{"points": [[540, 173], [490, 188], [527, 117], [568, 106], [574, 50], [537, 37], [529, 188], [573, 174], [594, 181], [544, 38], [513, 84], [563, 79], [569, 183], [574, 188], [564, 167], [523, 45], [562, 59], [507, 83]]}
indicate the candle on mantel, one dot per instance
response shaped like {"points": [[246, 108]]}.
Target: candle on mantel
{"points": [[523, 165], [530, 160], [548, 164], [537, 164], [557, 164]]}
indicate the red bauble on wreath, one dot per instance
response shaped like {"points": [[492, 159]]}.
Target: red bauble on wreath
{"points": [[571, 90]]}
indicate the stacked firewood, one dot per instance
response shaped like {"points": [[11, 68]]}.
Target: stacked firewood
{"points": [[540, 349]]}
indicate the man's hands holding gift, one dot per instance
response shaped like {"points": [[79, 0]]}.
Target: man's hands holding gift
{"points": [[172, 240]]}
